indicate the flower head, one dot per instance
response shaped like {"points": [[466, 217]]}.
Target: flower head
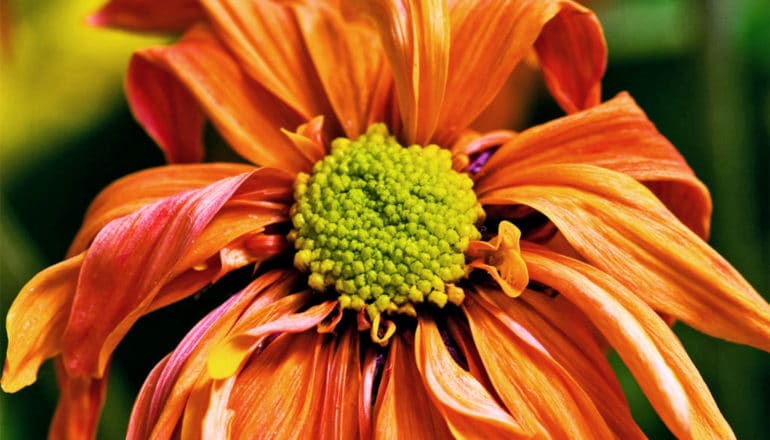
{"points": [[411, 276]]}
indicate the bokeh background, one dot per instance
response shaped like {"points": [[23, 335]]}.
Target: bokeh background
{"points": [[700, 69]]}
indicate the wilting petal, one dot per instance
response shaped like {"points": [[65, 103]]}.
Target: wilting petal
{"points": [[489, 42], [642, 339], [80, 403], [575, 348], [137, 190], [340, 413], [350, 64], [148, 15], [415, 36], [615, 135], [501, 259], [468, 408], [403, 408], [620, 227], [538, 392], [36, 321], [166, 109], [246, 115], [266, 39], [280, 390], [134, 256]]}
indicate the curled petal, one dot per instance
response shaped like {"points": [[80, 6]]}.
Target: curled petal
{"points": [[148, 15], [620, 227], [246, 115], [36, 321], [615, 135], [468, 408], [501, 259], [642, 339]]}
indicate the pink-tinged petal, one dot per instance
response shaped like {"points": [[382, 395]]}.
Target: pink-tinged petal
{"points": [[501, 259], [166, 109], [403, 408], [339, 418], [576, 349], [280, 391], [139, 425], [228, 357], [540, 394], [620, 227], [246, 115], [415, 36], [137, 190], [573, 56], [36, 321], [134, 256], [615, 135], [268, 44], [489, 42], [148, 15], [468, 408], [350, 65], [80, 403], [642, 339]]}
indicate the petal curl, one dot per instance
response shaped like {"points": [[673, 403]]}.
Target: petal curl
{"points": [[642, 339], [619, 226], [148, 15], [616, 135]]}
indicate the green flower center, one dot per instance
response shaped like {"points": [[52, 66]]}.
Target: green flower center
{"points": [[384, 226]]}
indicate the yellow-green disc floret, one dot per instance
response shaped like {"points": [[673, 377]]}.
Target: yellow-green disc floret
{"points": [[384, 226]]}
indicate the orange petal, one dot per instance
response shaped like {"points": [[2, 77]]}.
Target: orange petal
{"points": [[80, 403], [615, 135], [620, 227], [134, 191], [350, 65], [36, 321], [280, 390], [501, 259], [575, 348], [642, 339], [148, 15], [134, 256], [489, 42], [246, 115], [267, 42], [539, 393], [140, 423], [166, 109], [415, 36], [340, 410], [468, 408], [403, 408]]}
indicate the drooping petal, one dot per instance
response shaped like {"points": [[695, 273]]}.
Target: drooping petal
{"points": [[130, 193], [350, 65], [339, 417], [620, 227], [615, 135], [246, 115], [148, 15], [575, 348], [501, 259], [268, 44], [468, 408], [538, 392], [489, 42], [403, 408], [415, 36], [166, 109], [80, 403], [642, 339], [36, 321], [134, 256], [280, 390]]}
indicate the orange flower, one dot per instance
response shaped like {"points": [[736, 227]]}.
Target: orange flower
{"points": [[438, 319]]}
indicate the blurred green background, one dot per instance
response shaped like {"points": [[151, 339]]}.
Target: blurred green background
{"points": [[700, 69]]}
